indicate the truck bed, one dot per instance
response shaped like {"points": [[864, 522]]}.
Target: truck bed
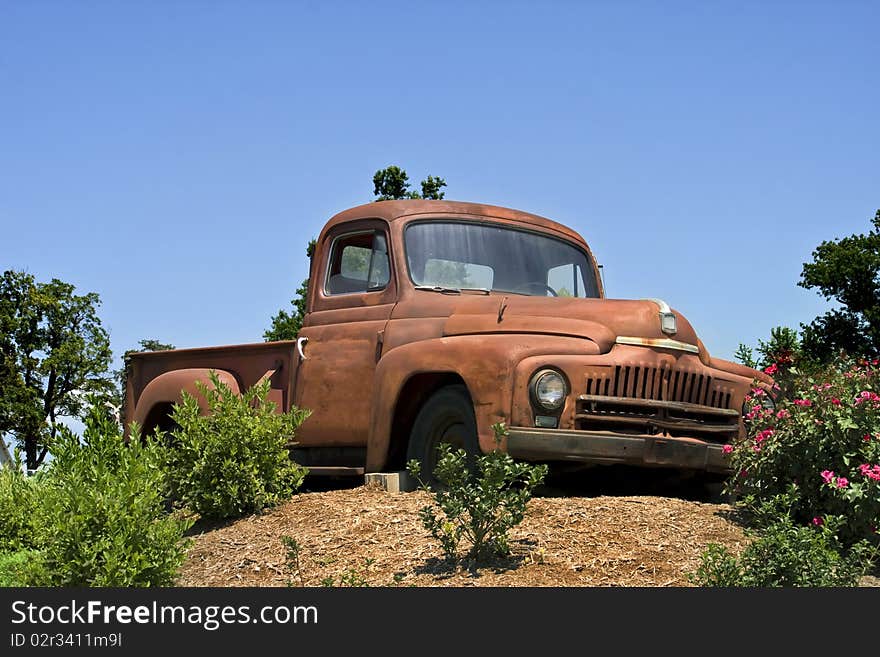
{"points": [[247, 363]]}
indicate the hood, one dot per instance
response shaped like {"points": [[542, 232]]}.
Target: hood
{"points": [[601, 320]]}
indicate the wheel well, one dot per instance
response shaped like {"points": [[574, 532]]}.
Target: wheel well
{"points": [[159, 417], [415, 392]]}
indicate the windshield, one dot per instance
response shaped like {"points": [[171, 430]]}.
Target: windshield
{"points": [[480, 256]]}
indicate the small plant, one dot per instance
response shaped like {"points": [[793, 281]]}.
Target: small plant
{"points": [[349, 577], [479, 508], [102, 519], [293, 552], [235, 460]]}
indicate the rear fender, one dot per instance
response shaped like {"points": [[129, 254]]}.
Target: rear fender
{"points": [[168, 388]]}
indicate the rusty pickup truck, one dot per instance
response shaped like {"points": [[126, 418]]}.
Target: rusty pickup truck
{"points": [[428, 321]]}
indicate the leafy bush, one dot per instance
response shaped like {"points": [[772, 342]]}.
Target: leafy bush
{"points": [[101, 519], [12, 566], [18, 508], [786, 554], [234, 460], [480, 508], [825, 440]]}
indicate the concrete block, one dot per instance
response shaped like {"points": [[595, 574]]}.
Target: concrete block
{"points": [[393, 482]]}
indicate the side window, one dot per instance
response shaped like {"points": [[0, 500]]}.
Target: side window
{"points": [[567, 280], [358, 263]]}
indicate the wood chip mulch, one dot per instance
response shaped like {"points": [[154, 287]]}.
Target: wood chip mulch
{"points": [[367, 535]]}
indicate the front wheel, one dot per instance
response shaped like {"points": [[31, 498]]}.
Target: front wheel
{"points": [[447, 417]]}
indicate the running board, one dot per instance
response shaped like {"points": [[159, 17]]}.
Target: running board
{"points": [[335, 471]]}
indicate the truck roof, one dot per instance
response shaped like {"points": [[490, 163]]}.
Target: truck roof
{"points": [[405, 209]]}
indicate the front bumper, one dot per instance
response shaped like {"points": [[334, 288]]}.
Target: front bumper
{"points": [[607, 448]]}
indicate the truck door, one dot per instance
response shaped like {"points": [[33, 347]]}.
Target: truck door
{"points": [[341, 339]]}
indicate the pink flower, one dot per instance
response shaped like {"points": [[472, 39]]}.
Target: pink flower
{"points": [[727, 449], [867, 396], [802, 402], [842, 482], [866, 437], [871, 472], [772, 369], [835, 401], [818, 521], [763, 435], [828, 476], [783, 414]]}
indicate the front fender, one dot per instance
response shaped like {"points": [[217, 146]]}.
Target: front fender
{"points": [[486, 363]]}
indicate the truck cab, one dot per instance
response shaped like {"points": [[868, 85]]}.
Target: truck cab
{"points": [[429, 321]]}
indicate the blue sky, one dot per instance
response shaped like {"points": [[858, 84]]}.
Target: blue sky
{"points": [[176, 157]]}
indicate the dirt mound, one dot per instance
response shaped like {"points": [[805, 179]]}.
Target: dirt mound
{"points": [[367, 535]]}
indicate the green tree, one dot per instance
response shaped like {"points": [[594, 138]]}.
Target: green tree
{"points": [[847, 271], [392, 183], [286, 325], [54, 350]]}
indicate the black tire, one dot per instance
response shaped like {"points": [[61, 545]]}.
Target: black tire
{"points": [[447, 417]]}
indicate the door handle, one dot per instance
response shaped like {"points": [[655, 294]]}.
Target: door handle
{"points": [[300, 345]]}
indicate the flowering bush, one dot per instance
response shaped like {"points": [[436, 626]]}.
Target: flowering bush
{"points": [[785, 553], [825, 440]]}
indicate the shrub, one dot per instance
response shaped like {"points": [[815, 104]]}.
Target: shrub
{"points": [[18, 507], [102, 520], [234, 460], [786, 554], [825, 440], [478, 507], [12, 565]]}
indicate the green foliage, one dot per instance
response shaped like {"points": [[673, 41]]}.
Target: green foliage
{"points": [[432, 188], [847, 271], [102, 519], [12, 567], [52, 345], [784, 553], [781, 356], [234, 460], [825, 441], [478, 508], [286, 325], [19, 507], [392, 183], [746, 355]]}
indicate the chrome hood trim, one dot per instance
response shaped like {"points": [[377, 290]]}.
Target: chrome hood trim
{"points": [[659, 343]]}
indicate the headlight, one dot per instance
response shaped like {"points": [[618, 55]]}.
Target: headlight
{"points": [[549, 390], [766, 401]]}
